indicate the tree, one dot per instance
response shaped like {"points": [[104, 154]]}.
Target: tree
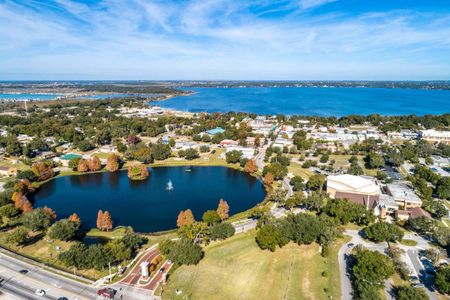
{"points": [[99, 219], [18, 236], [182, 251], [277, 169], [42, 171], [190, 154], [221, 231], [26, 174], [211, 217], [233, 156], [442, 281], [50, 212], [185, 218], [250, 166], [112, 163], [73, 163], [370, 270], [409, 293], [37, 220], [64, 230], [316, 182], [443, 188], [138, 172], [95, 164], [270, 236], [297, 183], [223, 209], [107, 223], [382, 231], [268, 179], [119, 250], [8, 211], [83, 165], [314, 201], [161, 151], [374, 160], [74, 218]]}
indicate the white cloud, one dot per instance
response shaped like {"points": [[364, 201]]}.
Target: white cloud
{"points": [[215, 38]]}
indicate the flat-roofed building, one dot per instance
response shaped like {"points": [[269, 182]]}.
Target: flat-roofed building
{"points": [[403, 195], [434, 136], [351, 184]]}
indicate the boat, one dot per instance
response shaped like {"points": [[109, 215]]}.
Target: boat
{"points": [[169, 185], [188, 170]]}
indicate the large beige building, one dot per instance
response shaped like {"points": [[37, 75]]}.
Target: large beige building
{"points": [[434, 136], [351, 184]]}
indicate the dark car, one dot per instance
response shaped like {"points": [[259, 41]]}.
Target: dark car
{"points": [[107, 293], [23, 271], [161, 270], [62, 298]]}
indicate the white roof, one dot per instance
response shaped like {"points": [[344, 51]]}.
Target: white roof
{"points": [[352, 184]]}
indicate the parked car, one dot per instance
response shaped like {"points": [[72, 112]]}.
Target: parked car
{"points": [[23, 271], [417, 285], [40, 292], [413, 279], [107, 293]]}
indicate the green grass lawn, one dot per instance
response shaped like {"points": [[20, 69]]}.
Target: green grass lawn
{"points": [[204, 160], [296, 169], [238, 269], [407, 242]]}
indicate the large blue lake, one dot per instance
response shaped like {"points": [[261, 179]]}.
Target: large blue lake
{"points": [[146, 205], [314, 101]]}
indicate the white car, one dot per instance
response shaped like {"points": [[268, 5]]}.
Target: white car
{"points": [[40, 292]]}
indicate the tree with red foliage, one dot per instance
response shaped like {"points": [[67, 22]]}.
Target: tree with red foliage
{"points": [[132, 139], [223, 209], [99, 219], [268, 179], [27, 207], [185, 217], [112, 164], [51, 212], [74, 218], [107, 223], [83, 165], [250, 166], [95, 164]]}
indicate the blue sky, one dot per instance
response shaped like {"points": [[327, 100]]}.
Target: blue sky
{"points": [[217, 39]]}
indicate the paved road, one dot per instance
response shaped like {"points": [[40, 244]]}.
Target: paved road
{"points": [[37, 278]]}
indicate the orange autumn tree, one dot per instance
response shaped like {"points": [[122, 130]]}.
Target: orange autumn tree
{"points": [[95, 164], [42, 170], [223, 209], [185, 217], [21, 202], [24, 186], [250, 166], [107, 223], [268, 179], [83, 165], [74, 218], [50, 212], [112, 164], [99, 219]]}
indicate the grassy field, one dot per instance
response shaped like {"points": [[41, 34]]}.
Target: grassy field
{"points": [[238, 269], [296, 169], [407, 242]]}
